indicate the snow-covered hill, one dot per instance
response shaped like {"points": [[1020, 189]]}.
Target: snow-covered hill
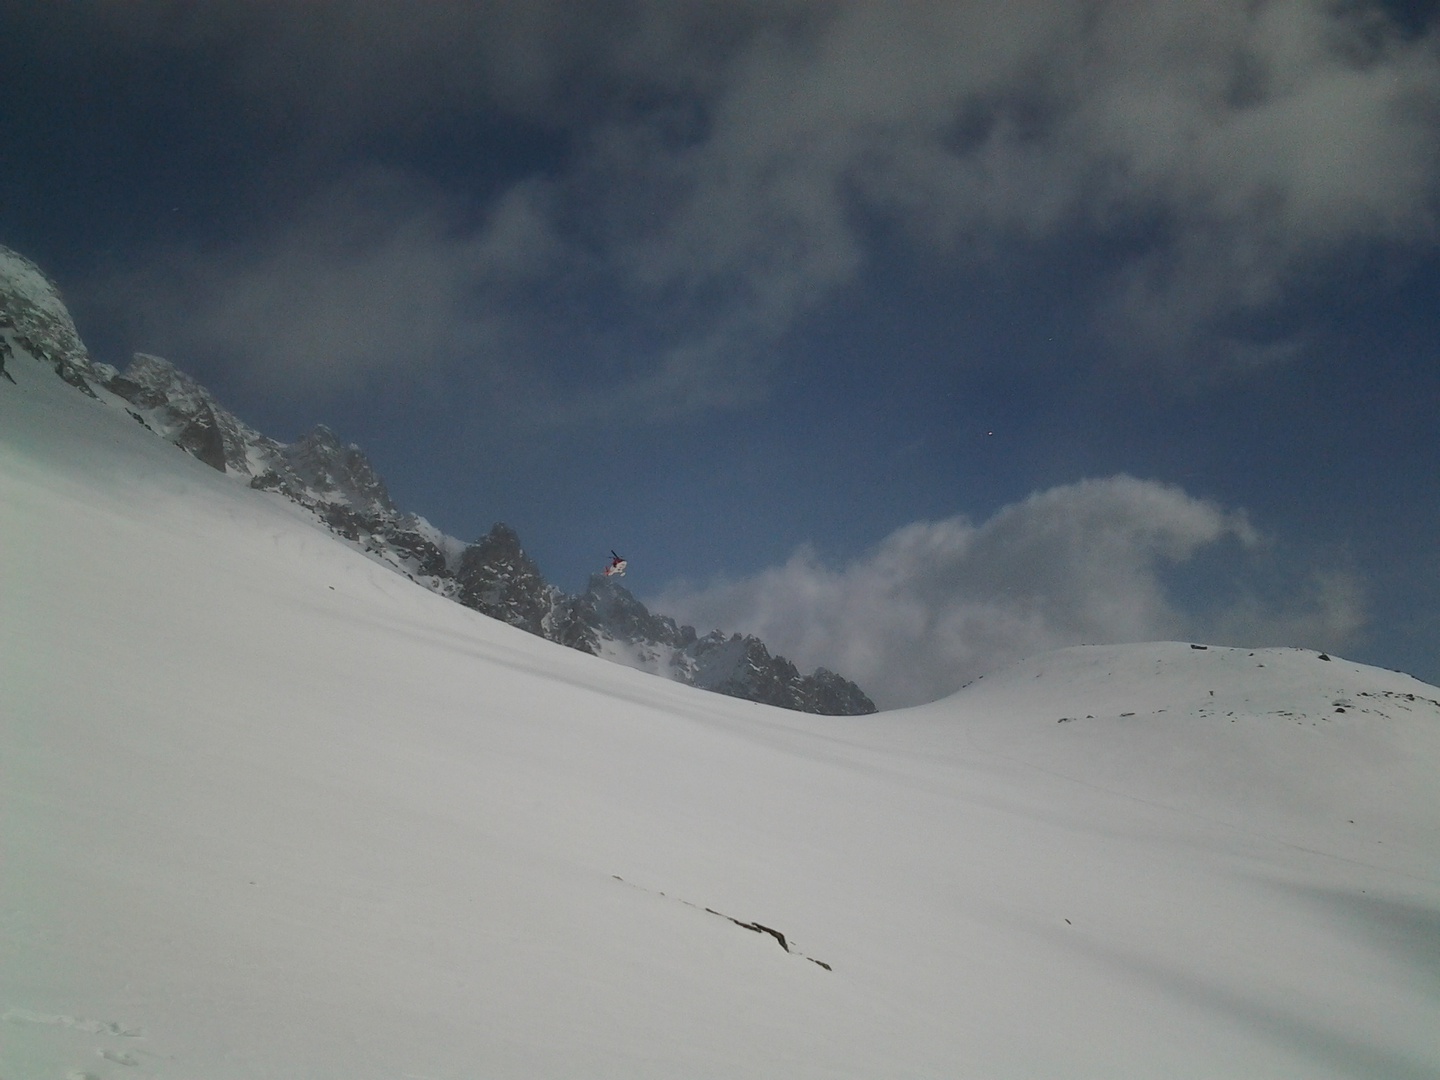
{"points": [[268, 809]]}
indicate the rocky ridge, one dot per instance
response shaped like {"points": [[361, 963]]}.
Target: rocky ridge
{"points": [[336, 483]]}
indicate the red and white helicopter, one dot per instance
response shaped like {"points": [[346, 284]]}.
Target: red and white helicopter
{"points": [[617, 565]]}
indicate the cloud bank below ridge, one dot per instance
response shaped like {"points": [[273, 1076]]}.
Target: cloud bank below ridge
{"points": [[935, 604]]}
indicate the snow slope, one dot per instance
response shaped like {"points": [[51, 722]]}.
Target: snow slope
{"points": [[269, 810]]}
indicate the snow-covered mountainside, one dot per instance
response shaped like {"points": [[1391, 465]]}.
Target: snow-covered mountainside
{"points": [[269, 811], [338, 485]]}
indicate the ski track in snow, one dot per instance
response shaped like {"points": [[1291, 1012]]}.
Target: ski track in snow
{"points": [[92, 1027], [755, 927], [122, 1051]]}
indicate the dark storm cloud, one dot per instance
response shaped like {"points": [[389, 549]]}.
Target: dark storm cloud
{"points": [[721, 166]]}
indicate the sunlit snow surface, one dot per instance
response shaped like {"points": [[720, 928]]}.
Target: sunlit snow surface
{"points": [[270, 810]]}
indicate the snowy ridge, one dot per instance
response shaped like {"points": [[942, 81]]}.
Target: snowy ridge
{"points": [[1323, 741], [34, 319], [268, 811], [336, 483], [176, 407]]}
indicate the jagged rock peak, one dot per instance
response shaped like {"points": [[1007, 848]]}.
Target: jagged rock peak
{"points": [[334, 471], [182, 410], [608, 604], [736, 665], [322, 435], [149, 381], [32, 309], [22, 281], [156, 373], [502, 538], [498, 579]]}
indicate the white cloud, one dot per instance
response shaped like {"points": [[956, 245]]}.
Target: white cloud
{"points": [[1256, 138], [728, 163], [937, 603], [368, 276], [1326, 610]]}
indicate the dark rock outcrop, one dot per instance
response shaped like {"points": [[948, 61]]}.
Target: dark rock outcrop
{"points": [[498, 579], [609, 621], [175, 406]]}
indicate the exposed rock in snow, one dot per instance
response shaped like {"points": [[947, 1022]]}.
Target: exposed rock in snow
{"points": [[34, 318], [174, 405], [739, 666], [497, 577]]}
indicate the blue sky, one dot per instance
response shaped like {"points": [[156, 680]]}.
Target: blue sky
{"points": [[913, 336]]}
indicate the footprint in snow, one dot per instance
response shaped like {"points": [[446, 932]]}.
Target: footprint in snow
{"points": [[79, 1023]]}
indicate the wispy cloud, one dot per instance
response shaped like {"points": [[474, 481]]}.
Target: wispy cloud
{"points": [[727, 164], [937, 603], [368, 276]]}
